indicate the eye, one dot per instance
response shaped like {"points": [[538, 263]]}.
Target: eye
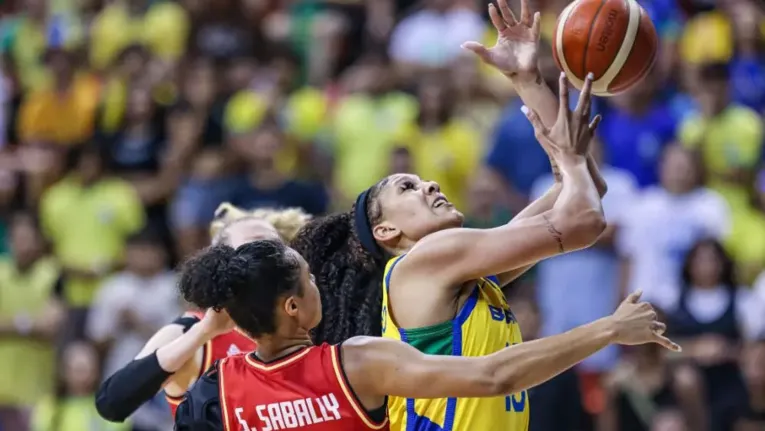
{"points": [[407, 185]]}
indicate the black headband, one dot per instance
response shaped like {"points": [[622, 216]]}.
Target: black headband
{"points": [[363, 227]]}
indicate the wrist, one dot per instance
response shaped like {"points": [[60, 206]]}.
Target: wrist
{"points": [[570, 161], [207, 328], [608, 328], [523, 80]]}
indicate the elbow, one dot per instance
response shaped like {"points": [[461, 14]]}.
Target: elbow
{"points": [[106, 407], [497, 380], [584, 228]]}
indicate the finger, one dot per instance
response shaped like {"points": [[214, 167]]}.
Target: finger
{"points": [[563, 96], [478, 49], [497, 20], [507, 13], [536, 26], [594, 124], [634, 297], [584, 96], [667, 343], [658, 328], [534, 119], [525, 13]]}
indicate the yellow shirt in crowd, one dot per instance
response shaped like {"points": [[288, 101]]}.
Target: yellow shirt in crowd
{"points": [[449, 156], [88, 227], [29, 368], [68, 118], [365, 131], [746, 244], [731, 140], [71, 414], [164, 29]]}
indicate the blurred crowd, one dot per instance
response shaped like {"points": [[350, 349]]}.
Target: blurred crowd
{"points": [[124, 123]]}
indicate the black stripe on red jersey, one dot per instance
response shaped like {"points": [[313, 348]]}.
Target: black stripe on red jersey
{"points": [[378, 414]]}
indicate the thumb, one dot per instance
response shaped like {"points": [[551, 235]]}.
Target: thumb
{"points": [[478, 50]]}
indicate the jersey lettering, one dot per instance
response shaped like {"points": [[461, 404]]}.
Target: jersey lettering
{"points": [[501, 315], [293, 414]]}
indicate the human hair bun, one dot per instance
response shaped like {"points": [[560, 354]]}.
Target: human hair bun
{"points": [[206, 278]]}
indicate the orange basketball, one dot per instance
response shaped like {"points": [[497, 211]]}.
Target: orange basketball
{"points": [[613, 39]]}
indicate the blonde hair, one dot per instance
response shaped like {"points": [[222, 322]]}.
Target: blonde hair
{"points": [[287, 222]]}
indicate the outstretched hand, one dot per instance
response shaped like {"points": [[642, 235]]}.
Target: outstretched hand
{"points": [[637, 323], [573, 131], [516, 51]]}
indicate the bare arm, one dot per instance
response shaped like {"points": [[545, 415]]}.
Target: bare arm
{"points": [[379, 366]]}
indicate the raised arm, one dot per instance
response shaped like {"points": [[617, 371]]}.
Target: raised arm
{"points": [[167, 359], [379, 367], [575, 221]]}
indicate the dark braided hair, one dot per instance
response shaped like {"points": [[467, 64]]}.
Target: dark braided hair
{"points": [[348, 276], [246, 282]]}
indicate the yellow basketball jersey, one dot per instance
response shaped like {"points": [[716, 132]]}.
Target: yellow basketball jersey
{"points": [[483, 326]]}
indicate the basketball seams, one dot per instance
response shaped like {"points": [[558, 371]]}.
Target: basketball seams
{"points": [[602, 84], [559, 46], [586, 49]]}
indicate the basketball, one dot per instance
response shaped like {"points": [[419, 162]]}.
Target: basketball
{"points": [[613, 39]]}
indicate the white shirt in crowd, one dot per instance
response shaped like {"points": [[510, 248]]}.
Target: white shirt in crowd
{"points": [[154, 301], [431, 38], [659, 230], [708, 305]]}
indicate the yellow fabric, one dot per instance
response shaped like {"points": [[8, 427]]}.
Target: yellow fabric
{"points": [[72, 414], [707, 38], [26, 45], [731, 140], [306, 113], [448, 156], [746, 244], [484, 325], [28, 367], [64, 119], [244, 112], [365, 131], [88, 227], [164, 29]]}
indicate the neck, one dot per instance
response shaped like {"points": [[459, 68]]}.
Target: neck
{"points": [[271, 347], [265, 176], [705, 285]]}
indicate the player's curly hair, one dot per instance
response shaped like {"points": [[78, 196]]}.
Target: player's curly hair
{"points": [[348, 276], [246, 282], [287, 221]]}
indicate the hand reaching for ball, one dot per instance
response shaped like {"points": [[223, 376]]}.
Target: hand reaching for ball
{"points": [[516, 51], [573, 131]]}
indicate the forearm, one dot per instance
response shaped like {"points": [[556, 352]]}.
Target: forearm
{"points": [[173, 356], [529, 364]]}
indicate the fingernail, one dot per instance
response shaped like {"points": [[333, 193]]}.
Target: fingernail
{"points": [[563, 74], [525, 110], [590, 76]]}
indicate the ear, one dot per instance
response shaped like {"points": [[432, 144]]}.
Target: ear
{"points": [[291, 306], [385, 232]]}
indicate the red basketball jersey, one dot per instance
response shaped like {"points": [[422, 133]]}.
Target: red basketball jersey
{"points": [[228, 344], [305, 390]]}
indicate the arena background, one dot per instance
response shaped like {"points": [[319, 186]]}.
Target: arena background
{"points": [[125, 123]]}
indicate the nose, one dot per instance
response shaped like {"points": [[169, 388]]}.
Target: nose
{"points": [[432, 187]]}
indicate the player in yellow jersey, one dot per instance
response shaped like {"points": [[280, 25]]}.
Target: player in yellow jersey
{"points": [[441, 284]]}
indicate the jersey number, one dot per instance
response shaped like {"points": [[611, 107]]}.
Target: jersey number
{"points": [[513, 405]]}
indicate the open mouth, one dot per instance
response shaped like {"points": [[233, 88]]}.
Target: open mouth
{"points": [[440, 202]]}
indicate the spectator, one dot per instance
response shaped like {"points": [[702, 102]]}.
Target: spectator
{"points": [[560, 394], [73, 407], [265, 186], [444, 149], [88, 216], [130, 307], [728, 136], [63, 112], [371, 113], [477, 102], [746, 242], [645, 393], [161, 26], [584, 286], [635, 129], [29, 319], [709, 315], [431, 37], [747, 67], [26, 37], [754, 417], [485, 207], [665, 221]]}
